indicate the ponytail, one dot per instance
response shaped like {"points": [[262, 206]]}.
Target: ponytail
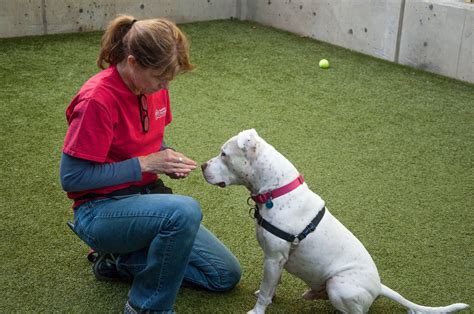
{"points": [[112, 49], [155, 43]]}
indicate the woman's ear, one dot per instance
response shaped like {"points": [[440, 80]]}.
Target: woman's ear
{"points": [[131, 61]]}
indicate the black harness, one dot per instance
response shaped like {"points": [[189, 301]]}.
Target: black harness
{"points": [[294, 239]]}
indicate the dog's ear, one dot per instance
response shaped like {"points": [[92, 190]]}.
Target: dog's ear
{"points": [[247, 140]]}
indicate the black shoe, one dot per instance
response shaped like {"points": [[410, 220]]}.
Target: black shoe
{"points": [[105, 268]]}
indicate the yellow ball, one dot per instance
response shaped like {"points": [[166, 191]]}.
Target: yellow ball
{"points": [[324, 64]]}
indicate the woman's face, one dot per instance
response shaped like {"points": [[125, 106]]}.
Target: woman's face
{"points": [[145, 80]]}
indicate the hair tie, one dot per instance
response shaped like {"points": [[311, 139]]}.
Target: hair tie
{"points": [[129, 27]]}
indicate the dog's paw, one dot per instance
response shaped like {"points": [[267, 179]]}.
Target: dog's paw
{"points": [[309, 295], [257, 310], [256, 293], [315, 295]]}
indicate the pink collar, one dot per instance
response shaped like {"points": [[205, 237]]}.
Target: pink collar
{"points": [[267, 197]]}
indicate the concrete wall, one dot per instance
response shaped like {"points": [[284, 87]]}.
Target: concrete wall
{"points": [[21, 18], [366, 26], [438, 36], [433, 35], [36, 17]]}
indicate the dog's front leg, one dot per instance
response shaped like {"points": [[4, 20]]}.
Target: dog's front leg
{"points": [[273, 268]]}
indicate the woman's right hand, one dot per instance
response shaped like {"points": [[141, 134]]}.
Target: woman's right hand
{"points": [[167, 161]]}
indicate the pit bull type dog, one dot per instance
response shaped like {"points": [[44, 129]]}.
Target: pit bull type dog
{"points": [[298, 233]]}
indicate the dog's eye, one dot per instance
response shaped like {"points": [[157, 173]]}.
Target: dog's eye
{"points": [[223, 154]]}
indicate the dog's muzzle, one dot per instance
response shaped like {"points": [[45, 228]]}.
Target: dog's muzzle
{"points": [[203, 168]]}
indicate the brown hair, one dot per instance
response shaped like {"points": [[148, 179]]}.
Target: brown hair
{"points": [[155, 43]]}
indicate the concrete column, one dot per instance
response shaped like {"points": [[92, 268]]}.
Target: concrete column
{"points": [[437, 36], [241, 9]]}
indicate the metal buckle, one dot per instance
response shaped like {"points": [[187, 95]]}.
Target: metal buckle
{"points": [[296, 241], [252, 207], [250, 212], [301, 179], [249, 200]]}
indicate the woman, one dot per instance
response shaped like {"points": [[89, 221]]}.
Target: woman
{"points": [[112, 155]]}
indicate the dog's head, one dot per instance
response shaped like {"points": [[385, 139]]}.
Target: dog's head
{"points": [[234, 164]]}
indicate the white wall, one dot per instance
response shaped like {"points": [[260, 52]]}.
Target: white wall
{"points": [[433, 35], [366, 26], [438, 36], [36, 17]]}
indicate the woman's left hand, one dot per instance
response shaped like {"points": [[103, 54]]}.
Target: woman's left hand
{"points": [[169, 162]]}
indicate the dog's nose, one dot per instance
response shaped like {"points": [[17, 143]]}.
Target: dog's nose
{"points": [[204, 166]]}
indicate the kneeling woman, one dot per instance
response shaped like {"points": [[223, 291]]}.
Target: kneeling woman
{"points": [[112, 155]]}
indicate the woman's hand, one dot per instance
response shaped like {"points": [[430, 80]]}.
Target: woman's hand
{"points": [[169, 162]]}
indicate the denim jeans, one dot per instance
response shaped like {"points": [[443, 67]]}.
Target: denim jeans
{"points": [[161, 244]]}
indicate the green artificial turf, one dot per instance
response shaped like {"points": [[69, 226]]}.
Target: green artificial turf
{"points": [[388, 147]]}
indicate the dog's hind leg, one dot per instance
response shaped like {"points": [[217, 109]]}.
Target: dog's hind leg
{"points": [[348, 298]]}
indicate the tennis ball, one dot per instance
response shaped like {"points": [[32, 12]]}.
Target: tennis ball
{"points": [[324, 64]]}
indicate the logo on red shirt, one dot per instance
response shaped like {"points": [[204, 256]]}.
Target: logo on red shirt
{"points": [[159, 113]]}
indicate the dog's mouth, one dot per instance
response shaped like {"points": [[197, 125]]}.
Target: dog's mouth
{"points": [[221, 184]]}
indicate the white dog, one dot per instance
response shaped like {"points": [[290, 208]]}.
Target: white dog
{"points": [[298, 233]]}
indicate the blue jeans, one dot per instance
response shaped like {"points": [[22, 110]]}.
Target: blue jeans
{"points": [[161, 243]]}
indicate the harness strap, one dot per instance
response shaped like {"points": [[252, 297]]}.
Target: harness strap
{"points": [[294, 239]]}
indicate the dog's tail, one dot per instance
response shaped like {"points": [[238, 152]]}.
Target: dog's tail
{"points": [[415, 308]]}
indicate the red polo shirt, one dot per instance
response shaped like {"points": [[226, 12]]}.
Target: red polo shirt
{"points": [[105, 125]]}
